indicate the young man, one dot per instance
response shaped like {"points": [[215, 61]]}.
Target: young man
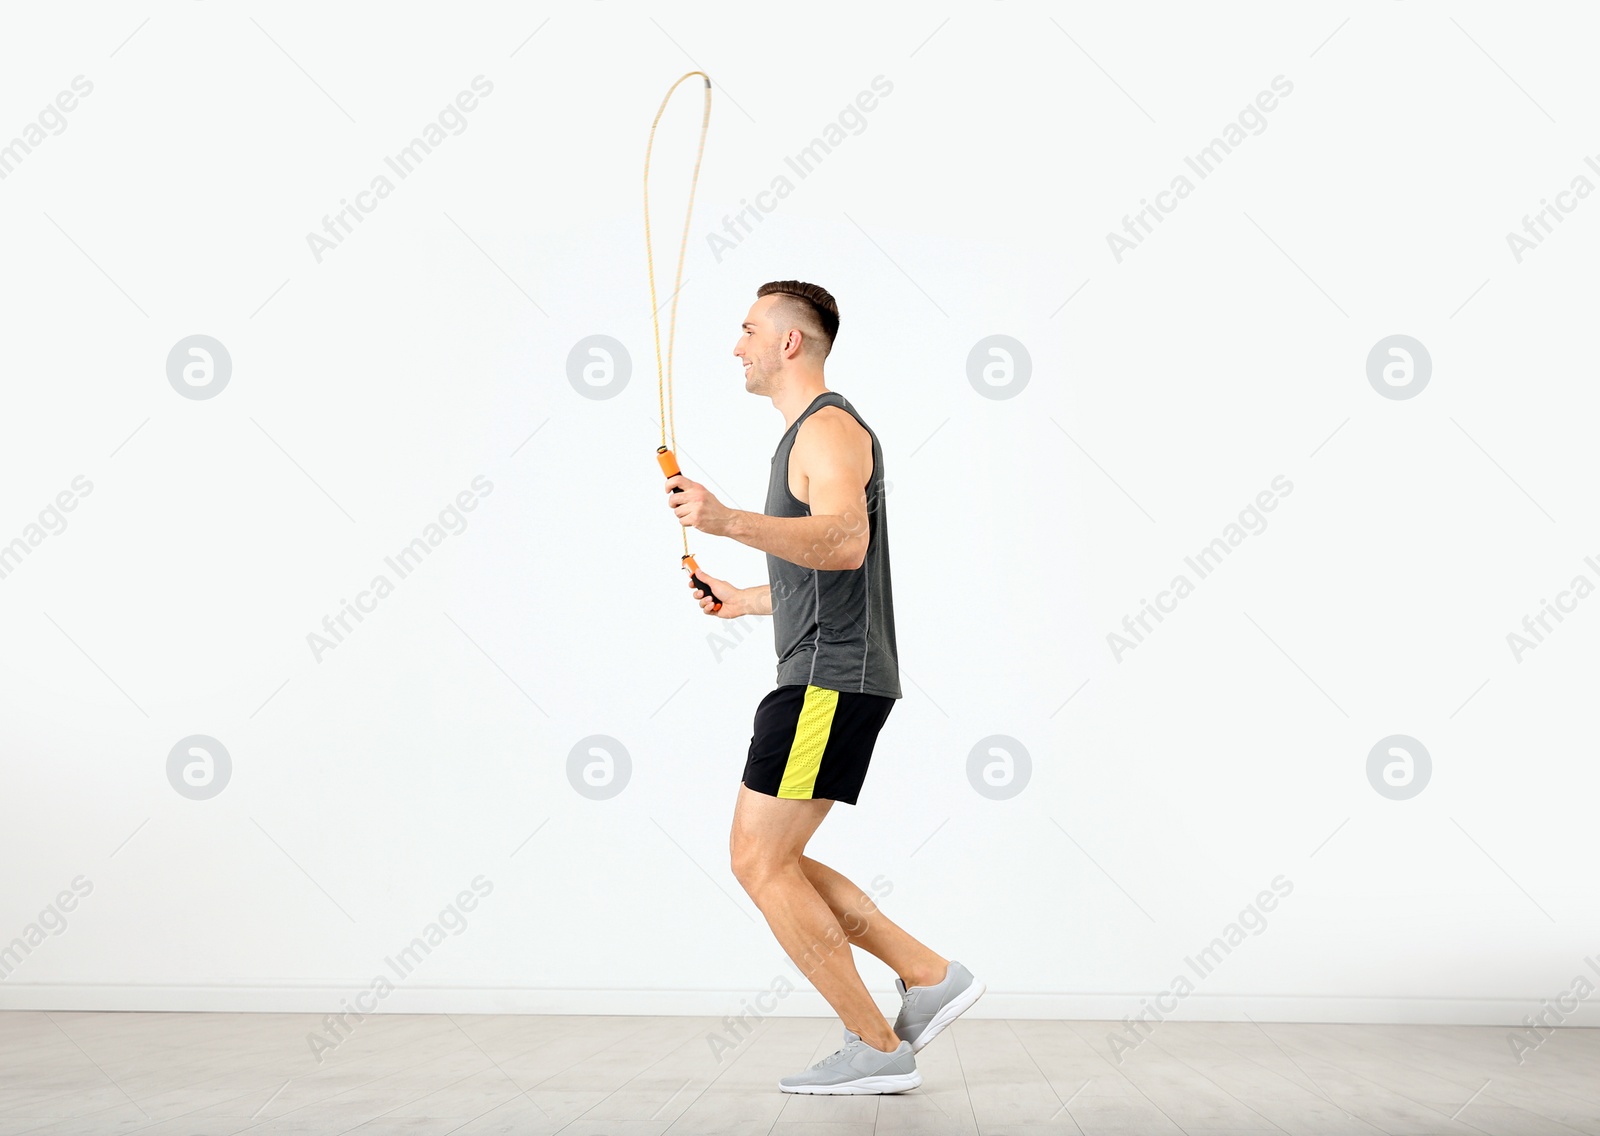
{"points": [[826, 536]]}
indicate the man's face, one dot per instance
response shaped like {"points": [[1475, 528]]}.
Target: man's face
{"points": [[760, 348]]}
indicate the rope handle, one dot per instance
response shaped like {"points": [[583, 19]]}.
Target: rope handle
{"points": [[669, 466]]}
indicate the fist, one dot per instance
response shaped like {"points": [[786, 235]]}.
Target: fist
{"points": [[726, 592], [696, 507]]}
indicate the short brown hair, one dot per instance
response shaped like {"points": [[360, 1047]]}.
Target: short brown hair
{"points": [[811, 306]]}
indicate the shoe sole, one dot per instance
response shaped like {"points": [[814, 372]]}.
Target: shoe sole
{"points": [[949, 1013], [861, 1086]]}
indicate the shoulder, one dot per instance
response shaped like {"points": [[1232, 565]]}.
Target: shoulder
{"points": [[830, 425], [832, 439]]}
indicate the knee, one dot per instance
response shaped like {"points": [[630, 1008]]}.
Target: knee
{"points": [[744, 857], [754, 866]]}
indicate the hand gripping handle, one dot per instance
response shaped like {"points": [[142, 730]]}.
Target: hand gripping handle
{"points": [[694, 578], [669, 466]]}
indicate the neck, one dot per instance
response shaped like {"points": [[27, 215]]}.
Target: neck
{"points": [[799, 391]]}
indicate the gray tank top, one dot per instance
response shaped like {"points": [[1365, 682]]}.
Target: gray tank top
{"points": [[833, 629]]}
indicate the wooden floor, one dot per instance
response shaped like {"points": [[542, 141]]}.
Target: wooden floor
{"points": [[202, 1074]]}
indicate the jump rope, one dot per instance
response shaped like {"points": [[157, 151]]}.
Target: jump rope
{"points": [[665, 453]]}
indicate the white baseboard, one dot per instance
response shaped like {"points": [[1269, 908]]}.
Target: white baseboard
{"points": [[303, 998]]}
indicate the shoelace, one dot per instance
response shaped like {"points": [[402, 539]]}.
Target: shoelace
{"points": [[835, 1055], [910, 996]]}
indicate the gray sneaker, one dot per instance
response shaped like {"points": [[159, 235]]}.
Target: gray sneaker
{"points": [[856, 1068], [926, 1010]]}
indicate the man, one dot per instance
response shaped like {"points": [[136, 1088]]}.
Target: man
{"points": [[826, 536]]}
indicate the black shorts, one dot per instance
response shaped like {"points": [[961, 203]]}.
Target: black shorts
{"points": [[813, 743]]}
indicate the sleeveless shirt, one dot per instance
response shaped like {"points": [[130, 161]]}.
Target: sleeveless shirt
{"points": [[833, 628]]}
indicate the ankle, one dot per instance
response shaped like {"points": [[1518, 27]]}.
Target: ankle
{"points": [[886, 1042], [929, 975]]}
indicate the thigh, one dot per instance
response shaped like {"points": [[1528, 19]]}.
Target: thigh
{"points": [[774, 827]]}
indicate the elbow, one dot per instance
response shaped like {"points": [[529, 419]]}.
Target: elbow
{"points": [[854, 557]]}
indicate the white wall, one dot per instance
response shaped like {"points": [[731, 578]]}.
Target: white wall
{"points": [[1169, 387]]}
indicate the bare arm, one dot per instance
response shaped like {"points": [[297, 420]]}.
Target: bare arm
{"points": [[735, 601], [824, 542], [834, 457]]}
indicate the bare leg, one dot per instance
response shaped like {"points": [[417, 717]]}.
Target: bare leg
{"points": [[769, 835], [871, 930]]}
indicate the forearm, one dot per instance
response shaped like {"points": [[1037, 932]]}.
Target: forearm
{"points": [[759, 600], [828, 543]]}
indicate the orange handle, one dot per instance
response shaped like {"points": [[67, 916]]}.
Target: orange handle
{"points": [[669, 466], [694, 578]]}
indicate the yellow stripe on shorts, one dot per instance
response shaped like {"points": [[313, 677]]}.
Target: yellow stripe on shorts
{"points": [[810, 738]]}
